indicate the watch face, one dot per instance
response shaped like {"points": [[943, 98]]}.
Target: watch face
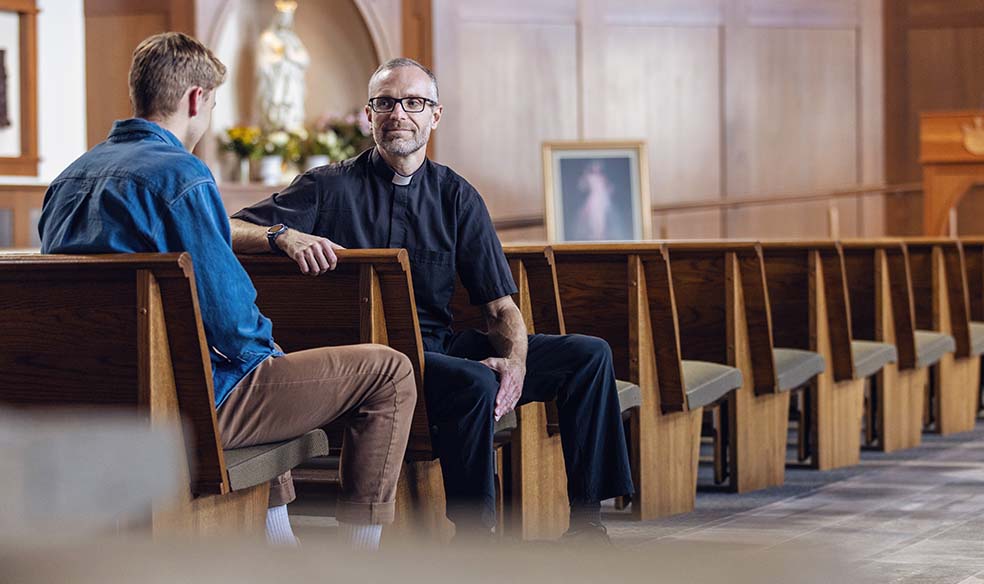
{"points": [[275, 229]]}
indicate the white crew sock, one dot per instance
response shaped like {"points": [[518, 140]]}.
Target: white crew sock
{"points": [[360, 537], [278, 531]]}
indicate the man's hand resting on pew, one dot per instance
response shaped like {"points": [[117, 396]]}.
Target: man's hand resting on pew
{"points": [[314, 255], [507, 333]]}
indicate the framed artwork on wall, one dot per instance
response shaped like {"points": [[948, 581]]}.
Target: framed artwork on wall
{"points": [[596, 191], [18, 88]]}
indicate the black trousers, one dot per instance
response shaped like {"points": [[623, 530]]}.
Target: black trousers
{"points": [[575, 370]]}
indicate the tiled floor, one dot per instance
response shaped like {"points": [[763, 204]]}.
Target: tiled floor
{"points": [[911, 517]]}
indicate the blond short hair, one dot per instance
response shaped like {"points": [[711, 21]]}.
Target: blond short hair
{"points": [[164, 66]]}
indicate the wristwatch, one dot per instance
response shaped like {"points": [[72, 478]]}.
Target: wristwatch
{"points": [[273, 233]]}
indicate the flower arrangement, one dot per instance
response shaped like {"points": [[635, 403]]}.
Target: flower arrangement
{"points": [[339, 137], [244, 141], [275, 143]]}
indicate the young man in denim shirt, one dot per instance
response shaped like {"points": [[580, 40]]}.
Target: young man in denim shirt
{"points": [[143, 191]]}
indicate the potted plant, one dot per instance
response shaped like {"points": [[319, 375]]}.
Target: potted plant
{"points": [[273, 147], [244, 142]]}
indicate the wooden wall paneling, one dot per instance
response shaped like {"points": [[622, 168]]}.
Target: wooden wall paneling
{"points": [[706, 224], [661, 12], [792, 221], [417, 31], [509, 86], [791, 114], [109, 44], [797, 13], [662, 85], [932, 52]]}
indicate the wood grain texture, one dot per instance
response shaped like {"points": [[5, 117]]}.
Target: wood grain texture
{"points": [[331, 310], [116, 324], [808, 75], [974, 266], [957, 380], [837, 406], [604, 293], [759, 420], [800, 294], [901, 394], [881, 309]]}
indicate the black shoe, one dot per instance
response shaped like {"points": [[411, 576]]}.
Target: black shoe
{"points": [[589, 534]]}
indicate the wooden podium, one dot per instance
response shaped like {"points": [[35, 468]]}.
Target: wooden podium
{"points": [[951, 151]]}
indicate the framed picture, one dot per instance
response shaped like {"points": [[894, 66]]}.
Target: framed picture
{"points": [[596, 191], [18, 88]]}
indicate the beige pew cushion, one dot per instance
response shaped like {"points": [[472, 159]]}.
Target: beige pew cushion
{"points": [[871, 356], [629, 395], [506, 423], [706, 383], [254, 465], [931, 346], [794, 367], [977, 338]]}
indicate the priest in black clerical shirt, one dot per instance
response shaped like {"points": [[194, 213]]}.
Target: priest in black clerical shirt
{"points": [[393, 196]]}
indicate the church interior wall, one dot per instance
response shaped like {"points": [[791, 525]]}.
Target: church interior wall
{"points": [[61, 89], [735, 99]]}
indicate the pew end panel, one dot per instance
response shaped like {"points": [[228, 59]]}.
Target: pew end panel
{"points": [[807, 294], [941, 305], [536, 490], [881, 301], [605, 293], [723, 312]]}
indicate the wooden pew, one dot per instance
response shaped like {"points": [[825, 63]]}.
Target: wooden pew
{"points": [[623, 293], [724, 315], [124, 331], [368, 298], [881, 295], [974, 263], [810, 311], [941, 302], [534, 503]]}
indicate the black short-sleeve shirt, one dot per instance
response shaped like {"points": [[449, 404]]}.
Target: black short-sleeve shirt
{"points": [[435, 214]]}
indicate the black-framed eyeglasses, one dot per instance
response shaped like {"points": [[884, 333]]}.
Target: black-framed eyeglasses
{"points": [[411, 105]]}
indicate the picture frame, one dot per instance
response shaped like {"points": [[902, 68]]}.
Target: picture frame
{"points": [[596, 191], [25, 163]]}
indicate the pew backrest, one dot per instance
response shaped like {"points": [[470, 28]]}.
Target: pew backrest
{"points": [[791, 270], [368, 298], [925, 254], [120, 330], [704, 288], [863, 260]]}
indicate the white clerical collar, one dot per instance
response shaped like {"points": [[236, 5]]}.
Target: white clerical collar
{"points": [[400, 180]]}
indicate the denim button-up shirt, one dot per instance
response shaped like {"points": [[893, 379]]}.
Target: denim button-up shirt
{"points": [[142, 191]]}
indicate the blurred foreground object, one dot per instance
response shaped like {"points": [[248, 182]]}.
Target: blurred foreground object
{"points": [[73, 473]]}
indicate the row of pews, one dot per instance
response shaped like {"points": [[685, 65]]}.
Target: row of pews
{"points": [[748, 356]]}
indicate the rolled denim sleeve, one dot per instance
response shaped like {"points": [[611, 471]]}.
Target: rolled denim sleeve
{"points": [[227, 299]]}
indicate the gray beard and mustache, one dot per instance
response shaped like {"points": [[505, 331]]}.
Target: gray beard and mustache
{"points": [[398, 145]]}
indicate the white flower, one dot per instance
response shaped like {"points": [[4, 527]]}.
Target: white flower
{"points": [[279, 138]]}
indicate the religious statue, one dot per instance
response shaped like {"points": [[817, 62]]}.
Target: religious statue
{"points": [[280, 63]]}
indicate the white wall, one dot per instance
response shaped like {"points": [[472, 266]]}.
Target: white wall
{"points": [[61, 88]]}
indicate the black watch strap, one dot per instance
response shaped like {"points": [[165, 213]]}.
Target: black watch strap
{"points": [[272, 238]]}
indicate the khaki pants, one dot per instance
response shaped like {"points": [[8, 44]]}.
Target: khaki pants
{"points": [[287, 396]]}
